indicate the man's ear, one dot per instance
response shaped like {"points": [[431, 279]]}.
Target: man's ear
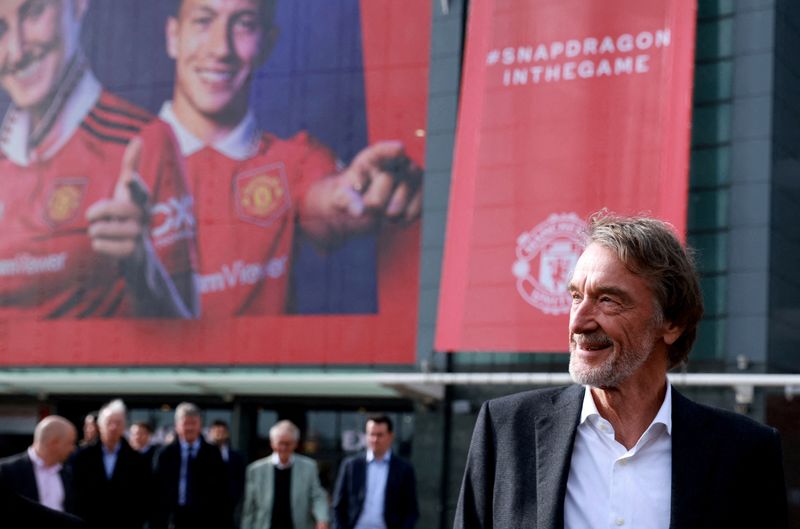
{"points": [[171, 31], [270, 38], [671, 332]]}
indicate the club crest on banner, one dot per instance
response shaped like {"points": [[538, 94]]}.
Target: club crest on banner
{"points": [[262, 194], [64, 200], [546, 256]]}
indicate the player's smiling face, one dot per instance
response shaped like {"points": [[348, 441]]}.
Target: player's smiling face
{"points": [[37, 37], [217, 45]]}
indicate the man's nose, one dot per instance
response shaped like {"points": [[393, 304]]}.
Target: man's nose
{"points": [[582, 317], [13, 45], [219, 43]]}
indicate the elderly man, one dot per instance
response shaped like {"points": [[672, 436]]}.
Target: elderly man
{"points": [[191, 483], [623, 448], [38, 474], [111, 478], [282, 491]]}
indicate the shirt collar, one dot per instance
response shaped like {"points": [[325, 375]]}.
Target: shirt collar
{"points": [[39, 462], [386, 457], [108, 452], [664, 415], [194, 446], [277, 461], [240, 144], [15, 132]]}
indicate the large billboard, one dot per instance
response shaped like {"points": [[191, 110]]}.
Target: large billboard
{"points": [[567, 107], [198, 182]]}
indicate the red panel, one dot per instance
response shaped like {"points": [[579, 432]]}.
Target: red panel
{"points": [[567, 107]]}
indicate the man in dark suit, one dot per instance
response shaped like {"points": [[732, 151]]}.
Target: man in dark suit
{"points": [[19, 512], [624, 447], [139, 436], [112, 479], [376, 489], [219, 435], [39, 473], [191, 483]]}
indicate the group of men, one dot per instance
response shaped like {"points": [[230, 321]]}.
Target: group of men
{"points": [[192, 483], [106, 210]]}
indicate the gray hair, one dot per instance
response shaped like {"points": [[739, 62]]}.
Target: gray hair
{"points": [[650, 248], [187, 409], [282, 427], [114, 407]]}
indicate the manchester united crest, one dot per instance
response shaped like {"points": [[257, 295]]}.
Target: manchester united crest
{"points": [[546, 256], [262, 194], [64, 200]]}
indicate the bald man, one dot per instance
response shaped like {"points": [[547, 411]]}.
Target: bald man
{"points": [[38, 473]]}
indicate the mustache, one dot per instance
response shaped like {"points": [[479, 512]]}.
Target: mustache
{"points": [[594, 340], [29, 56]]}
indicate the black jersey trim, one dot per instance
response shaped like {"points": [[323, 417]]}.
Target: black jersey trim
{"points": [[114, 124], [142, 118], [105, 137]]}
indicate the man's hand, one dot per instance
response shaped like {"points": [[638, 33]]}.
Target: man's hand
{"points": [[117, 224], [321, 525], [381, 182]]}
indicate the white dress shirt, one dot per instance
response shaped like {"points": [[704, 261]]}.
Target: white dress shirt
{"points": [[276, 461], [48, 482], [377, 474], [612, 487]]}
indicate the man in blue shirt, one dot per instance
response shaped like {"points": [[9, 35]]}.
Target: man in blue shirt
{"points": [[111, 478], [376, 490]]}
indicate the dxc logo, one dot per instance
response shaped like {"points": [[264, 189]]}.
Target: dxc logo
{"points": [[177, 216]]}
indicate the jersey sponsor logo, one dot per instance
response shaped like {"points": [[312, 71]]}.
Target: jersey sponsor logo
{"points": [[261, 195], [25, 264], [241, 274], [64, 200], [546, 256], [172, 220]]}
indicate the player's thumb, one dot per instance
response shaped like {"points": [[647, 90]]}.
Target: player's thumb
{"points": [[129, 170]]}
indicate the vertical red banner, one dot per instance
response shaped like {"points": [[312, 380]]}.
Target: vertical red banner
{"points": [[567, 107]]}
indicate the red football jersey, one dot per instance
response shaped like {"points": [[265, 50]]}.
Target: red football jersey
{"points": [[47, 266], [247, 216]]}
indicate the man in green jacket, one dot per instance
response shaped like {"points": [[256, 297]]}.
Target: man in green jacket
{"points": [[283, 489]]}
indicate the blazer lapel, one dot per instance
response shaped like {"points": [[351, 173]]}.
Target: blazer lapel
{"points": [[269, 484], [360, 478], [692, 463], [555, 436]]}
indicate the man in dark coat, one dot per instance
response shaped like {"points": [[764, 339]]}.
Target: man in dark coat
{"points": [[190, 480], [111, 479], [39, 473], [376, 488], [19, 512], [622, 447]]}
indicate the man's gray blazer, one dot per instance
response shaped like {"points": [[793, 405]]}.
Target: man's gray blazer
{"points": [[309, 502], [726, 468]]}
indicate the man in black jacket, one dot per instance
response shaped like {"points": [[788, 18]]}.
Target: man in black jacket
{"points": [[191, 483], [376, 489], [19, 512], [111, 479], [622, 447], [38, 473]]}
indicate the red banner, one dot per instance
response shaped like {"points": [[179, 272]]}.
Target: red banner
{"points": [[567, 107]]}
